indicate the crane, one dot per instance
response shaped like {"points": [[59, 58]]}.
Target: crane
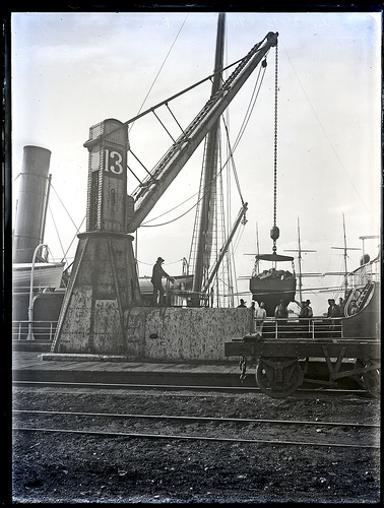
{"points": [[158, 180], [104, 286]]}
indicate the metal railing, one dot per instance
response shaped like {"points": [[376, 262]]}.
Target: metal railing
{"points": [[369, 272], [308, 328], [42, 330]]}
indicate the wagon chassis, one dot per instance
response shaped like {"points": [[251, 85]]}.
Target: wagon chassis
{"points": [[279, 362]]}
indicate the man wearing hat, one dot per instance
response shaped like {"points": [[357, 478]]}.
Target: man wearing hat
{"points": [[309, 309], [157, 274]]}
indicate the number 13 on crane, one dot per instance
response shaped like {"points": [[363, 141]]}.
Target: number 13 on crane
{"points": [[113, 161]]}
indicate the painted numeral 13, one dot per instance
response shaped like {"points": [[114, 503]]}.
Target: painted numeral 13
{"points": [[113, 162]]}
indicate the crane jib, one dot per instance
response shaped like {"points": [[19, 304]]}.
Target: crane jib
{"points": [[176, 157]]}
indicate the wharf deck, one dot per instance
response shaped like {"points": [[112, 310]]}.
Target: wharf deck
{"points": [[29, 366], [26, 360]]}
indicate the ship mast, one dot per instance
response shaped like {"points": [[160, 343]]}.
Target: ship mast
{"points": [[300, 251], [345, 249], [205, 235], [257, 239]]}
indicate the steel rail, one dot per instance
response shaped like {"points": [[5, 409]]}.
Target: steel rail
{"points": [[228, 389], [193, 438], [86, 384], [196, 418]]}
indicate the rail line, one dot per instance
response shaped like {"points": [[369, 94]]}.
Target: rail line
{"points": [[201, 388], [195, 418], [172, 437]]}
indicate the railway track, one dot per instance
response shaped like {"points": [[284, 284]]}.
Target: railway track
{"points": [[194, 419], [184, 388], [196, 438]]}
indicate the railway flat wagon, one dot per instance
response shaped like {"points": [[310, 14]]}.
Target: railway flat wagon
{"points": [[347, 347]]}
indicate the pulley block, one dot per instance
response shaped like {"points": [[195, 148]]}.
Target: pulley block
{"points": [[275, 233]]}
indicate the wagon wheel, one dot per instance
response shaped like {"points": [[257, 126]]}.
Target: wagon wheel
{"points": [[279, 377], [371, 378]]}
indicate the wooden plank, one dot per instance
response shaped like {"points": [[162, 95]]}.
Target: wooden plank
{"points": [[299, 349]]}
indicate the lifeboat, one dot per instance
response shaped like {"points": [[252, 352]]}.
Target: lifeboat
{"points": [[272, 285]]}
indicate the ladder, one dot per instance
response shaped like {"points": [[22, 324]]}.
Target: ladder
{"points": [[364, 294]]}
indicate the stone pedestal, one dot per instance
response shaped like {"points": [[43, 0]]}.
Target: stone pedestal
{"points": [[102, 289]]}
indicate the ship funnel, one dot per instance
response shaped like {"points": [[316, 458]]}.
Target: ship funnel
{"points": [[32, 202]]}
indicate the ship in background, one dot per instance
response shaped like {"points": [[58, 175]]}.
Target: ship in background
{"points": [[33, 275], [38, 283]]}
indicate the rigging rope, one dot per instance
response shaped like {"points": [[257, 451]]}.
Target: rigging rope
{"points": [[193, 249], [146, 225], [230, 151], [160, 69], [57, 232], [185, 90], [69, 215], [230, 157], [346, 172], [171, 209], [73, 239], [250, 108], [151, 264]]}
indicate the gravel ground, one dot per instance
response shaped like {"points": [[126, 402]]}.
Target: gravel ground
{"points": [[80, 468]]}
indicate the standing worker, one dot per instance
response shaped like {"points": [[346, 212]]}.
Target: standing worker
{"points": [[333, 309], [260, 316], [252, 308], [304, 310], [309, 309], [281, 312], [157, 273], [333, 312]]}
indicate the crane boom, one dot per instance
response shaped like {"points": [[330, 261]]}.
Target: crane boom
{"points": [[224, 248], [169, 166]]}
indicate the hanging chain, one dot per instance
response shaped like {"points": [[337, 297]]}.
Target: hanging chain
{"points": [[275, 230], [275, 143]]}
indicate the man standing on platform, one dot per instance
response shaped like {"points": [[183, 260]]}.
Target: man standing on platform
{"points": [[309, 309], [281, 312], [157, 274], [260, 315]]}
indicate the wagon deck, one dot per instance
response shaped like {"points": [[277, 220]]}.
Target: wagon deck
{"points": [[280, 351]]}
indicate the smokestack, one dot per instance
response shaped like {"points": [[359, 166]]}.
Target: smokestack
{"points": [[32, 203]]}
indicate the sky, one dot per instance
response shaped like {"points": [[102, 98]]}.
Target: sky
{"points": [[71, 71]]}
